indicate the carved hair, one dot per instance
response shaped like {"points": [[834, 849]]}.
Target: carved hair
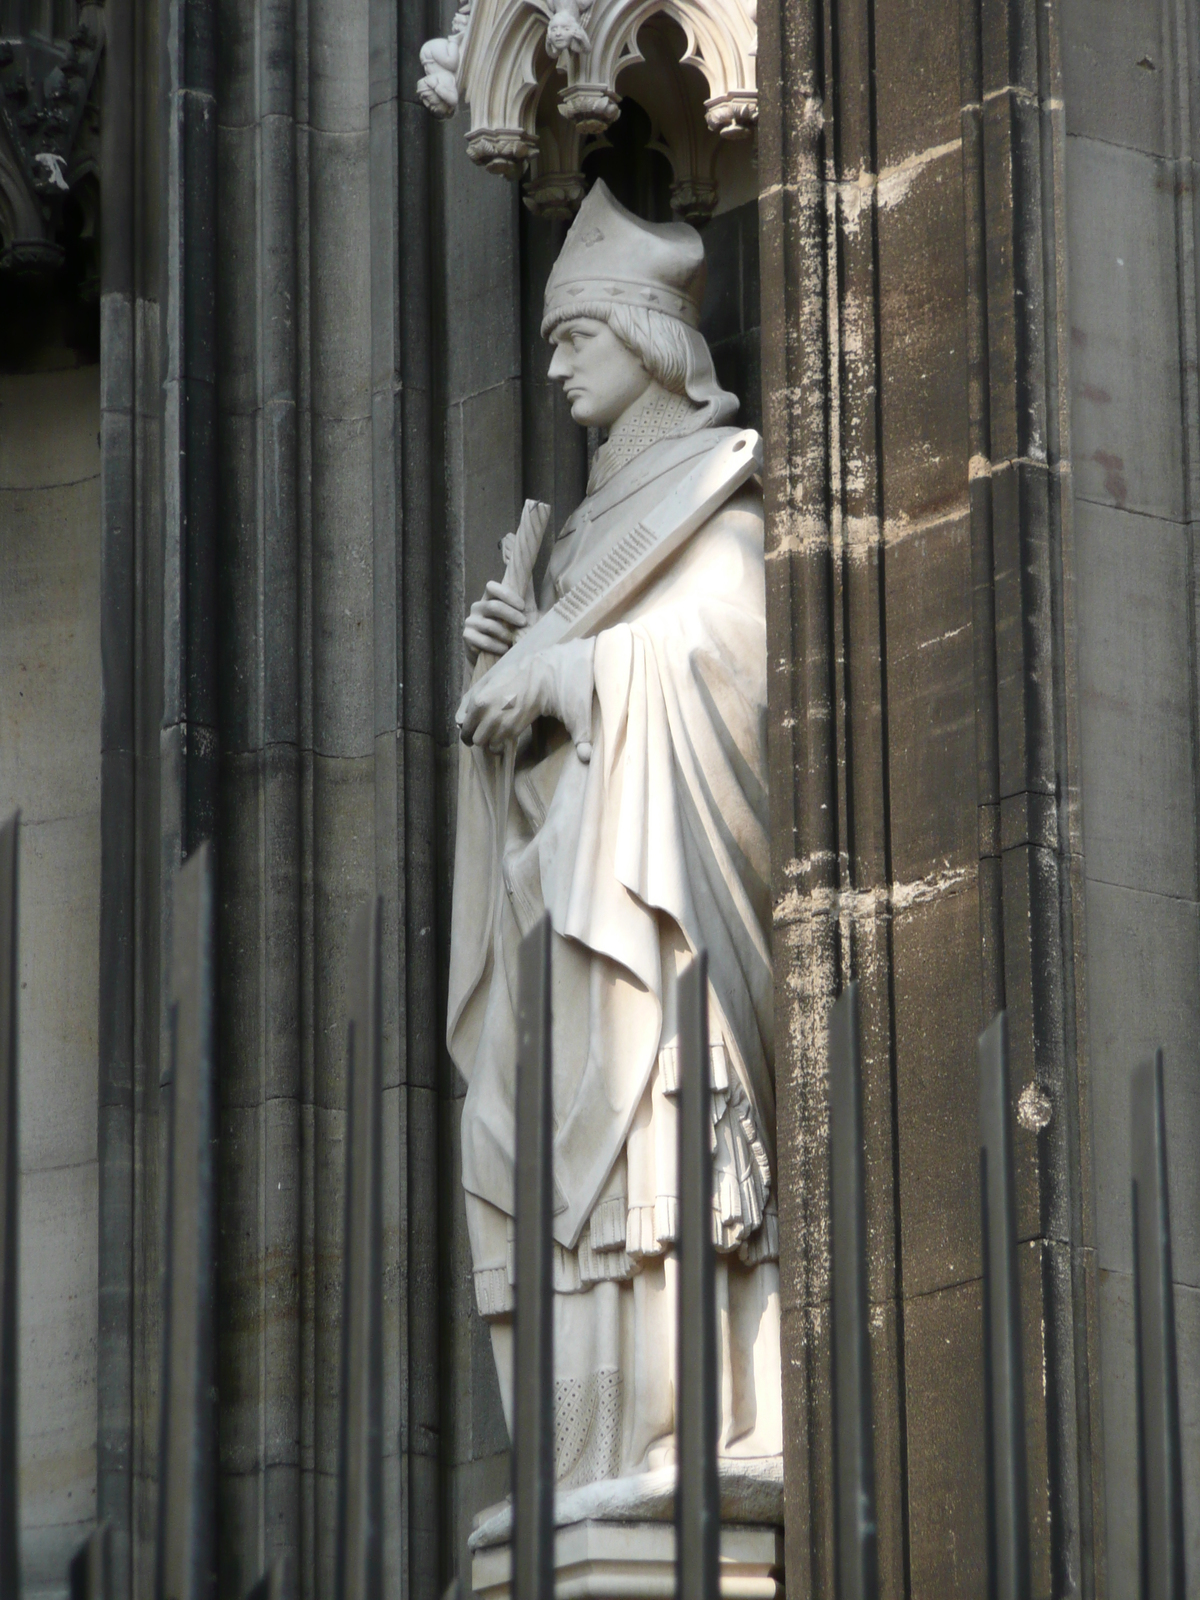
{"points": [[674, 354], [658, 341]]}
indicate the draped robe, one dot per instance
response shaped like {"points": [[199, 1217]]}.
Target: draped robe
{"points": [[655, 847]]}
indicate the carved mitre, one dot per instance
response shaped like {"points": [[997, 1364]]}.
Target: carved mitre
{"points": [[612, 257]]}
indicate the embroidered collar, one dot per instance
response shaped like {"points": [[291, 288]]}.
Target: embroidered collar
{"points": [[654, 416]]}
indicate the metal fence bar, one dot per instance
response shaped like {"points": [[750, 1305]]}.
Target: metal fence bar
{"points": [[270, 1586], [360, 1474], [856, 1540], [91, 1567], [1004, 1390], [533, 1340], [9, 982], [1160, 1479], [186, 1555], [698, 1503]]}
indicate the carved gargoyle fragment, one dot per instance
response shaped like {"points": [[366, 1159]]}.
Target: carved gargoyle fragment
{"points": [[565, 30], [441, 58]]}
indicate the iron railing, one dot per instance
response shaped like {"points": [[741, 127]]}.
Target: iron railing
{"points": [[186, 1559]]}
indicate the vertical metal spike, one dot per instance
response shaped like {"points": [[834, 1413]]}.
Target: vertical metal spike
{"points": [[360, 1468], [1004, 1389], [1160, 1478], [533, 1335], [269, 1587], [186, 1556], [698, 1500], [856, 1541], [9, 1565], [91, 1567]]}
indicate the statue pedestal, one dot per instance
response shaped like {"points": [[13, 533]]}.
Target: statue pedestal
{"points": [[615, 1539], [636, 1561]]}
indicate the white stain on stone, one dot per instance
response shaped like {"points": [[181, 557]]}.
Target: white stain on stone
{"points": [[858, 538], [928, 644], [1034, 1108], [895, 182], [855, 195], [864, 905]]}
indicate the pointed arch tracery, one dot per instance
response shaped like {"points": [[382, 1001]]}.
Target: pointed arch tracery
{"points": [[542, 76]]}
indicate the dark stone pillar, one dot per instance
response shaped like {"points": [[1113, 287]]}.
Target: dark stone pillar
{"points": [[920, 760]]}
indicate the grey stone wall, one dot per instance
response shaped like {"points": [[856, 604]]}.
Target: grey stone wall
{"points": [[1130, 81], [268, 670], [922, 764], [50, 768]]}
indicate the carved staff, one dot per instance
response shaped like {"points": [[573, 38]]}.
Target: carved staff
{"points": [[1004, 1389], [186, 1555], [360, 1467], [520, 550], [91, 1567], [1160, 1475], [698, 1502], [533, 1332], [9, 834], [855, 1536]]}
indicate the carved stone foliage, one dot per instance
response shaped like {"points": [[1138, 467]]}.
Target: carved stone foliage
{"points": [[544, 79], [49, 135]]}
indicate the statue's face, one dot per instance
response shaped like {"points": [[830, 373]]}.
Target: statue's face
{"points": [[601, 377]]}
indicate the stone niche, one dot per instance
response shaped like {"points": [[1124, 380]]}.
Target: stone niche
{"points": [[543, 82]]}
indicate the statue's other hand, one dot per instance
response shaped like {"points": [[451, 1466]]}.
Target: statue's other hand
{"points": [[495, 621], [557, 682], [498, 709]]}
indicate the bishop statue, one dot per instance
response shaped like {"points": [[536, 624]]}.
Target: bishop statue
{"points": [[618, 781]]}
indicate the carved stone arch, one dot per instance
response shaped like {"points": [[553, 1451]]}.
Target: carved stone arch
{"points": [[721, 41], [665, 78], [502, 79], [534, 111]]}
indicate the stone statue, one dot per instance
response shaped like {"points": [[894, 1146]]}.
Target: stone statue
{"points": [[619, 782], [565, 29], [441, 59]]}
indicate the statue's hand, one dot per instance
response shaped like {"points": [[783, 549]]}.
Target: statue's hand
{"points": [[557, 682], [495, 621]]}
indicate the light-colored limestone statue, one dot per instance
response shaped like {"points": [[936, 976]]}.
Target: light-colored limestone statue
{"points": [[619, 781], [441, 59], [565, 29]]}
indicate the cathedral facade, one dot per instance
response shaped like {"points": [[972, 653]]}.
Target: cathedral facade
{"points": [[274, 387]]}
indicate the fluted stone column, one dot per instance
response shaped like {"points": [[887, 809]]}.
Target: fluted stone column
{"points": [[924, 764]]}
